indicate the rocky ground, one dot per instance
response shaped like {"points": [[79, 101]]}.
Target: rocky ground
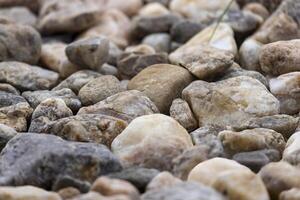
{"points": [[149, 100]]}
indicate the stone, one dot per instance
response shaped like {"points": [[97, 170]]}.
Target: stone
{"points": [[203, 61], [255, 160], [280, 57], [68, 193], [235, 70], [292, 194], [19, 14], [223, 39], [4, 87], [95, 128], [6, 134], [153, 9], [284, 124], [77, 80], [97, 196], [151, 141], [159, 84], [209, 171], [257, 9], [184, 30], [251, 140], [114, 25], [131, 63], [19, 43], [48, 157], [68, 16], [114, 54], [34, 98], [285, 88], [31, 4], [206, 137], [66, 68], [91, 53], [249, 54], [161, 42], [66, 181], [270, 4], [27, 193], [27, 77], [145, 25], [110, 187], [181, 112], [107, 69], [185, 162], [278, 177], [291, 151], [130, 8], [48, 110], [99, 89], [163, 180], [187, 191], [126, 105], [241, 184], [14, 111], [138, 176], [229, 102], [163, 2]]}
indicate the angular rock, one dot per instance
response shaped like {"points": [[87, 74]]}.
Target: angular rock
{"points": [[126, 105], [19, 43], [48, 110], [280, 57], [36, 97], [151, 141], [6, 134], [68, 16], [91, 53], [159, 84], [181, 112], [278, 177], [27, 193], [19, 14], [229, 102], [99, 89], [39, 159], [251, 140], [26, 77], [203, 61], [87, 128], [161, 42], [285, 88], [138, 176], [188, 191], [255, 160], [77, 80]]}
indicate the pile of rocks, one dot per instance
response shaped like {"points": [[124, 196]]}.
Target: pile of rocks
{"points": [[149, 99]]}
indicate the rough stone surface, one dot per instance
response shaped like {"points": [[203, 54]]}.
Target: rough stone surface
{"points": [[87, 128], [163, 180], [158, 83], [99, 89], [26, 77], [6, 134], [18, 14], [36, 97], [161, 42], [40, 159], [292, 150], [151, 141], [184, 30], [126, 105], [292, 194]]}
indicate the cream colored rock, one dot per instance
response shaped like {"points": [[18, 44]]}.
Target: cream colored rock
{"points": [[153, 9], [114, 25], [285, 88], [223, 39], [229, 102], [241, 185], [292, 194], [292, 149], [130, 8], [151, 141], [258, 9], [27, 193], [109, 187], [163, 180], [249, 54], [251, 140], [208, 172]]}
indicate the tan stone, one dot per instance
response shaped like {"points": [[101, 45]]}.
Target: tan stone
{"points": [[292, 194], [163, 180]]}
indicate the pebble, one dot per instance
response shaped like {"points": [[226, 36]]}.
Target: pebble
{"points": [[53, 157], [258, 9], [32, 4], [19, 43], [6, 134], [148, 139], [181, 112], [161, 42], [68, 193], [292, 194], [126, 105], [163, 180], [153, 9], [27, 77], [158, 83], [184, 30], [34, 98], [99, 89], [107, 69], [18, 14], [291, 150], [95, 128], [91, 53]]}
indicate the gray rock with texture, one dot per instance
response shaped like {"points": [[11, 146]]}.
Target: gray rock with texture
{"points": [[6, 134]]}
